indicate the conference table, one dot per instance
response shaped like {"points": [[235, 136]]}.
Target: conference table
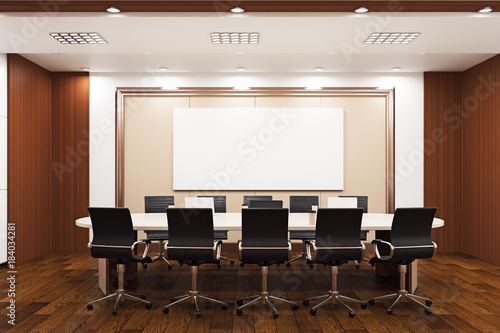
{"points": [[232, 222]]}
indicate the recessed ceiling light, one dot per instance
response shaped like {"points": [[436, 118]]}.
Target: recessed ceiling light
{"points": [[237, 10], [391, 37], [331, 53], [241, 69], [78, 38], [85, 69], [234, 37], [113, 10], [396, 69], [424, 53], [361, 10], [318, 69], [56, 53], [485, 10], [162, 69]]}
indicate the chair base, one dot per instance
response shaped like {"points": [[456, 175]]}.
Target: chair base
{"points": [[264, 297], [304, 255], [193, 295], [231, 261], [333, 297], [120, 294], [160, 255], [401, 296]]}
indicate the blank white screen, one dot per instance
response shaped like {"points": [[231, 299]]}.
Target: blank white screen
{"points": [[258, 149]]}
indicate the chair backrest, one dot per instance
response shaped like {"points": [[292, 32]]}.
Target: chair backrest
{"points": [[193, 202], [266, 204], [412, 226], [111, 226], [338, 227], [265, 228], [302, 203], [219, 202], [190, 226], [338, 202], [362, 201], [248, 198], [157, 203]]}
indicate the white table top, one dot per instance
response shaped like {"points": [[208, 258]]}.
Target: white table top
{"points": [[232, 221]]}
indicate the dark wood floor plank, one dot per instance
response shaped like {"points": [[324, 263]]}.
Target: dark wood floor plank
{"points": [[52, 293]]}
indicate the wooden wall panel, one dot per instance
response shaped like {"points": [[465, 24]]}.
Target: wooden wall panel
{"points": [[29, 178], [70, 162], [442, 156], [481, 160]]}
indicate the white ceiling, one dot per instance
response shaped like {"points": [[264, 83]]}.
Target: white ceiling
{"points": [[289, 42]]}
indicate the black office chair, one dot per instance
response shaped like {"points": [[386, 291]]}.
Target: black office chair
{"points": [[337, 241], [192, 242], [302, 204], [264, 242], [248, 198], [362, 203], [410, 239], [219, 207], [158, 204], [114, 239], [266, 204]]}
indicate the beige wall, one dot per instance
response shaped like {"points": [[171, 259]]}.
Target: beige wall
{"points": [[148, 147]]}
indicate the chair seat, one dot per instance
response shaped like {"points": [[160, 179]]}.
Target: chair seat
{"points": [[220, 234], [302, 234], [157, 235], [384, 259]]}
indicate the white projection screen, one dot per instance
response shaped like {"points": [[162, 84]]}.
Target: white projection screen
{"points": [[258, 149]]}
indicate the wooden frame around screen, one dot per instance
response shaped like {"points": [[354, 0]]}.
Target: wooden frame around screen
{"points": [[121, 93]]}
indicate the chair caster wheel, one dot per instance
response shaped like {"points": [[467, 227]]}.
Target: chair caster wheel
{"points": [[276, 314], [311, 265], [287, 264], [371, 302], [149, 306], [165, 310], [352, 314], [389, 310], [313, 312], [232, 262], [219, 265], [114, 312], [170, 266], [173, 300], [239, 302], [90, 307], [198, 314], [295, 306], [242, 264], [364, 306], [239, 312], [357, 266], [144, 266], [224, 307], [428, 311], [428, 303], [305, 302], [142, 297]]}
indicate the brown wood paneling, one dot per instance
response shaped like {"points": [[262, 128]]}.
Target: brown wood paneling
{"points": [[481, 160], [249, 6], [442, 156], [70, 162], [29, 157]]}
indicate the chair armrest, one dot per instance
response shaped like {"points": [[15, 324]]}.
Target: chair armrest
{"points": [[376, 242], [132, 248], [312, 253]]}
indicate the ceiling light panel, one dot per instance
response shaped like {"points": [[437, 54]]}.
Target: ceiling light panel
{"points": [[235, 37], [78, 38], [391, 37]]}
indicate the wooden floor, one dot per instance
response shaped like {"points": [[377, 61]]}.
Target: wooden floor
{"points": [[52, 293]]}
